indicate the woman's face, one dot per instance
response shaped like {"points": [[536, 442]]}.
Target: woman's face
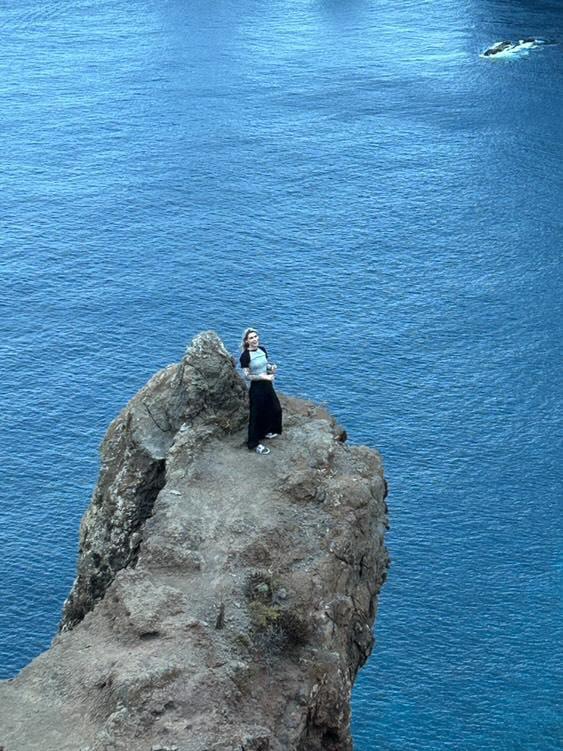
{"points": [[252, 339]]}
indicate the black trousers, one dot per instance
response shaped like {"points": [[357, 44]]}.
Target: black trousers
{"points": [[265, 412]]}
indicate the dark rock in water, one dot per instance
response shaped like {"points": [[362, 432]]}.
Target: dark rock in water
{"points": [[496, 48], [519, 46], [184, 521]]}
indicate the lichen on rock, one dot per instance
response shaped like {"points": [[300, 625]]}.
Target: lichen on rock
{"points": [[223, 600]]}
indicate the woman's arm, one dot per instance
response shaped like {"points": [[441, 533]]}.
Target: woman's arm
{"points": [[271, 367], [262, 377]]}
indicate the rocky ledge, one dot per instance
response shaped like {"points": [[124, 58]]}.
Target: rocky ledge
{"points": [[224, 601]]}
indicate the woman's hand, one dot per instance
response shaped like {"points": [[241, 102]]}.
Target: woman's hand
{"points": [[268, 376]]}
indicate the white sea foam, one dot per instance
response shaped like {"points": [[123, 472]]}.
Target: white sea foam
{"points": [[513, 49]]}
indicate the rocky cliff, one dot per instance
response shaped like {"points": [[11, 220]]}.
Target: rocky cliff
{"points": [[224, 601]]}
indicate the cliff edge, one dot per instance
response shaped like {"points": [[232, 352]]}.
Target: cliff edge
{"points": [[224, 601]]}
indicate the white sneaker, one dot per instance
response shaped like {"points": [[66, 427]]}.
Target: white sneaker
{"points": [[260, 449], [271, 435]]}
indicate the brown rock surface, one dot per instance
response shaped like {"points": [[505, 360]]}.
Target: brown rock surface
{"points": [[224, 600]]}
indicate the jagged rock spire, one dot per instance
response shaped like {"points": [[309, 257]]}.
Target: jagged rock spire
{"points": [[224, 600], [203, 388]]}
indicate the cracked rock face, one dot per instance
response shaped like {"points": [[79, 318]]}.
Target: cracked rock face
{"points": [[223, 600]]}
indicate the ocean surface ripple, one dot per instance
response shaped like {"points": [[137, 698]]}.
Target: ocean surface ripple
{"points": [[385, 205]]}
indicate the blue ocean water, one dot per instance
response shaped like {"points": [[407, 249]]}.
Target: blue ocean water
{"points": [[385, 205]]}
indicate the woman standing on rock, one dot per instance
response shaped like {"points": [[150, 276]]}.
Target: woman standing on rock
{"points": [[265, 419]]}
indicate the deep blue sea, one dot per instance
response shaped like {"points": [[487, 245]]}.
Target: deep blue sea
{"points": [[385, 205]]}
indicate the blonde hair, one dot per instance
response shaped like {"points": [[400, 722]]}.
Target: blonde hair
{"points": [[245, 333]]}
